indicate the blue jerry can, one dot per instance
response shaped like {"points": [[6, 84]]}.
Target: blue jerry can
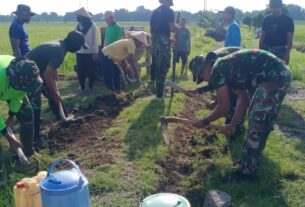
{"points": [[66, 188], [165, 200]]}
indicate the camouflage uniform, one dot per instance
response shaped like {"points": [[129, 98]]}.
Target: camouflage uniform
{"points": [[279, 51], [271, 78], [233, 98], [162, 54]]}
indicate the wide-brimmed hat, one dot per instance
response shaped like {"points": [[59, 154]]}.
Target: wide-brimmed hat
{"points": [[140, 36], [23, 9], [230, 10], [108, 14], [275, 3], [24, 75], [82, 12], [165, 1]]}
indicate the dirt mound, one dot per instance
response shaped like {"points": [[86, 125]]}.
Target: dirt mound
{"points": [[84, 137]]}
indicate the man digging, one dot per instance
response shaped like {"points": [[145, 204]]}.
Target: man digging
{"points": [[237, 73], [17, 78], [49, 57]]}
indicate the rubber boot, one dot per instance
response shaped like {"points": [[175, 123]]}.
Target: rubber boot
{"points": [[27, 138]]}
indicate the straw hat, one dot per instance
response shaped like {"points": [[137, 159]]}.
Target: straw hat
{"points": [[140, 36], [82, 12]]}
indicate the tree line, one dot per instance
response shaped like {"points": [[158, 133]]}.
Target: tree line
{"points": [[141, 14]]}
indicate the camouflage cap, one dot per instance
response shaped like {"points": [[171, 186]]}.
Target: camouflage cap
{"points": [[198, 63], [24, 75]]}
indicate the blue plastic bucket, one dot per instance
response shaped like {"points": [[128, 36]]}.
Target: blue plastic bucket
{"points": [[66, 188], [165, 200]]}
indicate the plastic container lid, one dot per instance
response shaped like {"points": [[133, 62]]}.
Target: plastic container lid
{"points": [[165, 200], [63, 182]]}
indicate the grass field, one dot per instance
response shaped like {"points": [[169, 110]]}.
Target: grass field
{"points": [[141, 165]]}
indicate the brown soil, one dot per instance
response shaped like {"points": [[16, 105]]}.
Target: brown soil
{"points": [[84, 137], [190, 146]]}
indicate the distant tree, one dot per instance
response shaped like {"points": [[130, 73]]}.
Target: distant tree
{"points": [[207, 19], [247, 20], [257, 20]]}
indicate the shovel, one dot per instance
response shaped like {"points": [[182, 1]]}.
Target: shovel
{"points": [[182, 90]]}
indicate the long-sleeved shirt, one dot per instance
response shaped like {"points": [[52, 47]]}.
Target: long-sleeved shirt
{"points": [[7, 93], [91, 39], [233, 37]]}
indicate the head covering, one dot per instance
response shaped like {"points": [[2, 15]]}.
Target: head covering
{"points": [[24, 75], [275, 3], [108, 14], [82, 12], [74, 41], [196, 66], [230, 10], [167, 1], [140, 36], [23, 9], [198, 63]]}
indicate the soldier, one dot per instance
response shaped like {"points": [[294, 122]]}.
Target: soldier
{"points": [[162, 23], [17, 78], [197, 70], [236, 73]]}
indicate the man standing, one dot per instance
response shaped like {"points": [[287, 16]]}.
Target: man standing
{"points": [[183, 44], [17, 33], [233, 37], [277, 32], [114, 31], [162, 23], [48, 57], [237, 73]]}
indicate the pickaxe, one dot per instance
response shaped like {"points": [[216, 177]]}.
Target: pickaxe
{"points": [[170, 119]]}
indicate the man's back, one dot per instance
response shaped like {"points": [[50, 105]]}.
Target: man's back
{"points": [[51, 53], [160, 20]]}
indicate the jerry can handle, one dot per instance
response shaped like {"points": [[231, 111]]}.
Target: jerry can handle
{"points": [[71, 163]]}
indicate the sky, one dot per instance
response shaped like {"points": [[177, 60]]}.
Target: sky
{"points": [[97, 6]]}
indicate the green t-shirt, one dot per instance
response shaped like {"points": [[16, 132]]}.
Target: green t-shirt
{"points": [[113, 33], [7, 93], [247, 68]]}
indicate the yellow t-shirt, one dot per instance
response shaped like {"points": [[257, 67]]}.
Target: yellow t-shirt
{"points": [[120, 50]]}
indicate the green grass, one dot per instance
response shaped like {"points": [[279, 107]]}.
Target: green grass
{"points": [[136, 172]]}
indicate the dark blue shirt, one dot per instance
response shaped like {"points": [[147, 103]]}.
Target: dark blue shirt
{"points": [[276, 29], [17, 31], [160, 20], [183, 40]]}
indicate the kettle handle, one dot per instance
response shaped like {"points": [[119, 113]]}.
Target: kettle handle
{"points": [[70, 162]]}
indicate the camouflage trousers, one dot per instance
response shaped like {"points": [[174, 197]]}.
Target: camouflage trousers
{"points": [[162, 54], [279, 51], [26, 130], [262, 114]]}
